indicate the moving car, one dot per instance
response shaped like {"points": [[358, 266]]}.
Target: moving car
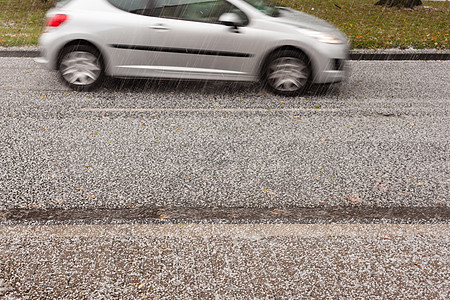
{"points": [[235, 40]]}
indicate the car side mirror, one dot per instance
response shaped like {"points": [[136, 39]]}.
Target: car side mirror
{"points": [[230, 19]]}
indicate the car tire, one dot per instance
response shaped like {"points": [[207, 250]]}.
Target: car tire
{"points": [[288, 73], [81, 67]]}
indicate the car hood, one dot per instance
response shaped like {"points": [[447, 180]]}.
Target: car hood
{"points": [[304, 20]]}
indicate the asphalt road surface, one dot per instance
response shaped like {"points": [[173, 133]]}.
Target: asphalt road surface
{"points": [[221, 190]]}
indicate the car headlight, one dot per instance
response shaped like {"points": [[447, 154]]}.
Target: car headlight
{"points": [[321, 36]]}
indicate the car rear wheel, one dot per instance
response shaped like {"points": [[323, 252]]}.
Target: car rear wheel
{"points": [[288, 73], [81, 67]]}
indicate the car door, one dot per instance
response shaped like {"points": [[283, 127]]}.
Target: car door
{"points": [[184, 39]]}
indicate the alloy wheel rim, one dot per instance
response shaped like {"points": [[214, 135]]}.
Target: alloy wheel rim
{"points": [[288, 74], [80, 68]]}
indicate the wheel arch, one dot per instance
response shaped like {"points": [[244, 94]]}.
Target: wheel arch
{"points": [[83, 42], [267, 57]]}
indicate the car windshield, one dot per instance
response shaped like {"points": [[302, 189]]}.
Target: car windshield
{"points": [[265, 7]]}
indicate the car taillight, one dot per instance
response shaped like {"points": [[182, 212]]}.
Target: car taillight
{"points": [[56, 20]]}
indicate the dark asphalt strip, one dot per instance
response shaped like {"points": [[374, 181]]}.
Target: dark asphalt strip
{"points": [[155, 215], [19, 53], [354, 55], [399, 56]]}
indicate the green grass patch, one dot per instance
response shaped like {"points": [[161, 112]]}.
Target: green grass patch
{"points": [[368, 26], [22, 21]]}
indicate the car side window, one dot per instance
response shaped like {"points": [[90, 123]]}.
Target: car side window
{"points": [[133, 6], [195, 10]]}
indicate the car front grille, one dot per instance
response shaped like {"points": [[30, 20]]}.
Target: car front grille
{"points": [[338, 64]]}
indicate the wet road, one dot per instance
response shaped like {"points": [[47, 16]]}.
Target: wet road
{"points": [[371, 150], [380, 139]]}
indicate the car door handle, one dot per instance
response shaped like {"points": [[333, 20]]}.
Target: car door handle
{"points": [[159, 27]]}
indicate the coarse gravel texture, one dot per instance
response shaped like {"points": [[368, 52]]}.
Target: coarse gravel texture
{"points": [[366, 264], [379, 139]]}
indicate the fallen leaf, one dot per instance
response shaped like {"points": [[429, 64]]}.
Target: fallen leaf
{"points": [[354, 199], [383, 188], [62, 200]]}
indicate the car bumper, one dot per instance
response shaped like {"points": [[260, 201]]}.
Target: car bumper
{"points": [[330, 64], [42, 61], [49, 46], [331, 76]]}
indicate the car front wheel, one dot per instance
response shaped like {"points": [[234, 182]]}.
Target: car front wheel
{"points": [[288, 73], [81, 67]]}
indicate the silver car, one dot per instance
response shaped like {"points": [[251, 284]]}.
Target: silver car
{"points": [[235, 40]]}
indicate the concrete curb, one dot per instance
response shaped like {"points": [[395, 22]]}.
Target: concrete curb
{"points": [[354, 54]]}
